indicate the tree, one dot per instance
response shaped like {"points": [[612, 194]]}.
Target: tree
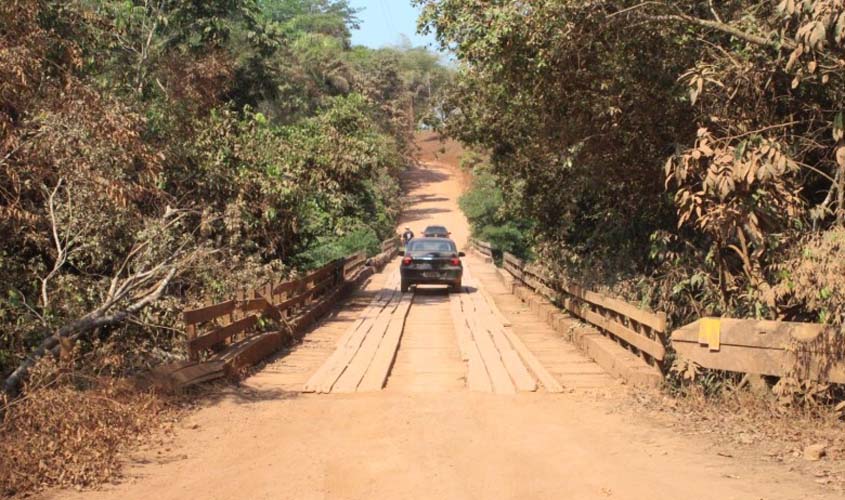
{"points": [[591, 110]]}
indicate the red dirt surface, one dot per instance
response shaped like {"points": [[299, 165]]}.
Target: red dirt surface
{"points": [[426, 436]]}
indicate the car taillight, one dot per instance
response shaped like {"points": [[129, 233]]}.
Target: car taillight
{"points": [[456, 261], [407, 261]]}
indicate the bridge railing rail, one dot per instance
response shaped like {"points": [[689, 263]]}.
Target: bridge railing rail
{"points": [[806, 351], [484, 248], [642, 331], [226, 336]]}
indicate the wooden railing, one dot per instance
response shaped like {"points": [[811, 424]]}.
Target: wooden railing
{"points": [[641, 331], [390, 244], [214, 326], [353, 263], [762, 347], [483, 247], [777, 348], [227, 336]]}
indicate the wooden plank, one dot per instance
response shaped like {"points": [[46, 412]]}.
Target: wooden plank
{"points": [[321, 272], [371, 311], [376, 376], [514, 271], [355, 256], [641, 342], [493, 363], [323, 306], [251, 351], [208, 313], [361, 359], [763, 347], [482, 246], [539, 287], [547, 379], [656, 321], [491, 303], [488, 321], [349, 341], [389, 244], [321, 286], [188, 374], [346, 353], [287, 286], [477, 377], [353, 263], [757, 360], [292, 302], [756, 333], [260, 304], [512, 260], [460, 325], [219, 335]]}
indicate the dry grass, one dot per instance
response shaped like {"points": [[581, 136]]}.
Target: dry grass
{"points": [[72, 431], [747, 426]]}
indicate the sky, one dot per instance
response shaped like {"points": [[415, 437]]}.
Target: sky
{"points": [[383, 22]]}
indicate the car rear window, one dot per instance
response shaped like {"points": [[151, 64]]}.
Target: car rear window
{"points": [[431, 246], [435, 229]]}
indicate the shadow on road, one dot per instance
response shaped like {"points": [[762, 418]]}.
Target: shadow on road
{"points": [[416, 214], [420, 177]]}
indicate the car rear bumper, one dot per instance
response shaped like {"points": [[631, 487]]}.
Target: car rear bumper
{"points": [[431, 277]]}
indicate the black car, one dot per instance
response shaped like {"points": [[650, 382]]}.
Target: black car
{"points": [[431, 261], [436, 232]]}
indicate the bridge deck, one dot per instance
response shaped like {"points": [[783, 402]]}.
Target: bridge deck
{"points": [[484, 339]]}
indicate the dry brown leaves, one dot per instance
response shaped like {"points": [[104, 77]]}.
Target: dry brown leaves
{"points": [[70, 433], [749, 426], [199, 81]]}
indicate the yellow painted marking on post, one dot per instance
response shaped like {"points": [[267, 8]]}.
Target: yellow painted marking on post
{"points": [[709, 333]]}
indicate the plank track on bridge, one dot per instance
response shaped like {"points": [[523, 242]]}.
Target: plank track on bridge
{"points": [[495, 360]]}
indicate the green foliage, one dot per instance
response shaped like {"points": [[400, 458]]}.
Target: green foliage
{"points": [[329, 248], [490, 218]]}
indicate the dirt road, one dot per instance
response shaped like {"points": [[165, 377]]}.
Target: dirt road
{"points": [[426, 435]]}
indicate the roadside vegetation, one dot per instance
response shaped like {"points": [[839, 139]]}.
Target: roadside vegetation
{"points": [[491, 218], [688, 155], [152, 153]]}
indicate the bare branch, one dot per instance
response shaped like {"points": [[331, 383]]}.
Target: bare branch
{"points": [[98, 318], [725, 28], [717, 25], [61, 247], [713, 11]]}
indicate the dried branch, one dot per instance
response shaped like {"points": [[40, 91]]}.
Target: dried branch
{"points": [[713, 11], [129, 292], [725, 28], [717, 25], [62, 249], [98, 318]]}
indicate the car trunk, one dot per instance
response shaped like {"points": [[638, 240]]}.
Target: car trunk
{"points": [[431, 265]]}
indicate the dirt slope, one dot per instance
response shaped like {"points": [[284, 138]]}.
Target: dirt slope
{"points": [[427, 437]]}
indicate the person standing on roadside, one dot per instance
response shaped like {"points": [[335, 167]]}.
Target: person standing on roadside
{"points": [[407, 236]]}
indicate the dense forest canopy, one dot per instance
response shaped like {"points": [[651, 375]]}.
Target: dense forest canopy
{"points": [[689, 153], [153, 151]]}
